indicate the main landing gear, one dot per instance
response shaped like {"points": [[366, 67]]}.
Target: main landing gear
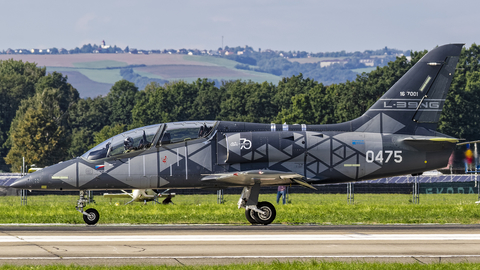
{"points": [[256, 212], [90, 216]]}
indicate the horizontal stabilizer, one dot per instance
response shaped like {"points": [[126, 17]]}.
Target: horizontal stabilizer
{"points": [[430, 144], [430, 139]]}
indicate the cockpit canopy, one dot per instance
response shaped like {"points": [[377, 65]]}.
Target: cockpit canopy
{"points": [[145, 137]]}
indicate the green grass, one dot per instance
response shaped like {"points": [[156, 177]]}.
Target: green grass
{"points": [[274, 265], [302, 209]]}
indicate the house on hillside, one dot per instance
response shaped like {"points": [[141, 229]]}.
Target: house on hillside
{"points": [[327, 63], [368, 62]]}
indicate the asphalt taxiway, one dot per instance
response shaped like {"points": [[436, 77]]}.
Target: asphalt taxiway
{"points": [[220, 244]]}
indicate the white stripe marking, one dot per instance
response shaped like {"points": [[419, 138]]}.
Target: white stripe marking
{"points": [[225, 238]]}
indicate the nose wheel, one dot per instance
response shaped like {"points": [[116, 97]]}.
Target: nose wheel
{"points": [[90, 216]]}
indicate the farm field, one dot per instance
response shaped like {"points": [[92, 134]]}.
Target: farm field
{"points": [[322, 209], [94, 74]]}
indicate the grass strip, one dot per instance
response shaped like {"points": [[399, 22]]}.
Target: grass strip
{"points": [[203, 209], [297, 265]]}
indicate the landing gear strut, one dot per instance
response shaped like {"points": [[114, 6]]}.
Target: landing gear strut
{"points": [[90, 216], [256, 212]]}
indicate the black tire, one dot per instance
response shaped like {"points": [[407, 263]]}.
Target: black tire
{"points": [[249, 214], [92, 217], [268, 217]]}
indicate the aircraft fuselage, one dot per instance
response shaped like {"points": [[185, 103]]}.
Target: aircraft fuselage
{"points": [[322, 157]]}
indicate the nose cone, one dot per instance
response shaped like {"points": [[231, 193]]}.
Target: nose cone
{"points": [[22, 182], [56, 177]]}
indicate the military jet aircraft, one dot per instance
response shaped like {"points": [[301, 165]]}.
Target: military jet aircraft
{"points": [[396, 136]]}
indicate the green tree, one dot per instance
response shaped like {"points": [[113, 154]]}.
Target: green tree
{"points": [[37, 132], [290, 87], [121, 100], [461, 114], [152, 106], [40, 130], [172, 102], [82, 139], [86, 116], [68, 96], [248, 101], [206, 105], [314, 107], [17, 82]]}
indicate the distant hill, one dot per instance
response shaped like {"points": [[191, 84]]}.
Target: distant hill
{"points": [[94, 74]]}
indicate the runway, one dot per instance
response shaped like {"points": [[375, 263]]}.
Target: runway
{"points": [[219, 244]]}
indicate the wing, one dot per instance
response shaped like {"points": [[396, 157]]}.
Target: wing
{"points": [[264, 177]]}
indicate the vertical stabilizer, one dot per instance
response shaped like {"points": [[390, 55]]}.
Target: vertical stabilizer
{"points": [[413, 105]]}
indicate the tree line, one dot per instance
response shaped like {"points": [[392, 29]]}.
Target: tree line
{"points": [[44, 120]]}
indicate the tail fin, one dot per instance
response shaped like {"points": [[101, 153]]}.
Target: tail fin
{"points": [[414, 103]]}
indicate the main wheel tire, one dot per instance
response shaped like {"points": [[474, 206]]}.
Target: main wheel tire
{"points": [[92, 217], [250, 215], [268, 217]]}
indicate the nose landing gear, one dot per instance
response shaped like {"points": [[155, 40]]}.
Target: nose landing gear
{"points": [[91, 215]]}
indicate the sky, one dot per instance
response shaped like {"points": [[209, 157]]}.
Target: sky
{"points": [[297, 25]]}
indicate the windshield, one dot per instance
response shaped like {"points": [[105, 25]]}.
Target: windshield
{"points": [[184, 131], [132, 140]]}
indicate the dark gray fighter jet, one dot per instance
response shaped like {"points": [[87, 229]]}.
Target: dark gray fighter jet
{"points": [[396, 136]]}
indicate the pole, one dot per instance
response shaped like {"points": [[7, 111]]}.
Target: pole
{"points": [[23, 192], [350, 193], [416, 189], [476, 162], [220, 196], [287, 194]]}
